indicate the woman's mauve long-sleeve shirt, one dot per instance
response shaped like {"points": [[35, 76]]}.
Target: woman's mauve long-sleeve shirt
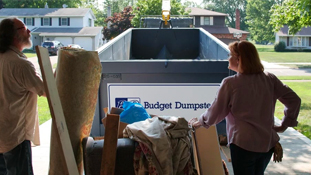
{"points": [[247, 101]]}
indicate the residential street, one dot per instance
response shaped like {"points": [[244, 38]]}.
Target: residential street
{"points": [[285, 71]]}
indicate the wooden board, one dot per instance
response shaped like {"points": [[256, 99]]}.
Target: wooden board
{"points": [[207, 151], [56, 108], [110, 145], [195, 153], [226, 151]]}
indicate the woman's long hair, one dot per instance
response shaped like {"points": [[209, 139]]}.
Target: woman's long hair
{"points": [[249, 61]]}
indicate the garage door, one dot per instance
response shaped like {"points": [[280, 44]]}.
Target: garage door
{"points": [[64, 40], [85, 42]]}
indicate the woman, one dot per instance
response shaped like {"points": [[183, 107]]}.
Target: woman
{"points": [[247, 101]]}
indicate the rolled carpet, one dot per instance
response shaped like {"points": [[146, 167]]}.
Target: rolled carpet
{"points": [[77, 78]]}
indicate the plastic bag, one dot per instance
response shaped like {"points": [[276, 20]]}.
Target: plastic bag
{"points": [[133, 112]]}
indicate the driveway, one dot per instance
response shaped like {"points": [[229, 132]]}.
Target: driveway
{"points": [[35, 62]]}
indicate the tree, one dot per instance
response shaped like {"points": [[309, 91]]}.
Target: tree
{"points": [[258, 16], [154, 7], [100, 17], [40, 3], [119, 23], [117, 6], [229, 7], [209, 6], [294, 13], [99, 14], [1, 4], [191, 4]]}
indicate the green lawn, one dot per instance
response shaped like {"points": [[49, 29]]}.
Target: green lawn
{"points": [[267, 53], [29, 55], [304, 118], [294, 77], [43, 110]]}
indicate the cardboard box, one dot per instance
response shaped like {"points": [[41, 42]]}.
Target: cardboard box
{"points": [[117, 111]]}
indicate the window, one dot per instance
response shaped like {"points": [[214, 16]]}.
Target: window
{"points": [[28, 21], [206, 20], [283, 39], [300, 41], [46, 21], [64, 21], [290, 41], [295, 41], [303, 41], [90, 22]]}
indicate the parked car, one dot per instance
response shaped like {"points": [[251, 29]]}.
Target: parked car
{"points": [[75, 46], [52, 46]]}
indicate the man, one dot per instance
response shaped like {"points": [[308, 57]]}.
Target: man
{"points": [[19, 87]]}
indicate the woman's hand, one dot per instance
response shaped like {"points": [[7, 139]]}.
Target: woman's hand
{"points": [[195, 123], [280, 129]]}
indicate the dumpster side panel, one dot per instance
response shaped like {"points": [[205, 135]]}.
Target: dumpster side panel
{"points": [[118, 48], [155, 71], [211, 47]]}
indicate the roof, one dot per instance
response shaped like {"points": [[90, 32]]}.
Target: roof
{"points": [[67, 31], [46, 12], [304, 31], [222, 30], [56, 30], [202, 12]]}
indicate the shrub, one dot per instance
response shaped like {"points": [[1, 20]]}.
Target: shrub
{"points": [[279, 47], [28, 51]]}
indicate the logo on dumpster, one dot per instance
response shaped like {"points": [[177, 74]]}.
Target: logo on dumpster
{"points": [[119, 101], [163, 106]]}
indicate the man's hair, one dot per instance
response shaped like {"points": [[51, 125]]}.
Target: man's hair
{"points": [[7, 33], [249, 61]]}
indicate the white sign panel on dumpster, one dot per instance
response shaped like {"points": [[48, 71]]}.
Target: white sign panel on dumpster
{"points": [[183, 100]]}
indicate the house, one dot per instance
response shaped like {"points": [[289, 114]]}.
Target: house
{"points": [[301, 40], [67, 25], [214, 23]]}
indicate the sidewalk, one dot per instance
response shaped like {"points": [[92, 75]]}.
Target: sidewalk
{"points": [[41, 154], [280, 70]]}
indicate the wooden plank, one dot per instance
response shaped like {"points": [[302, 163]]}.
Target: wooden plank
{"points": [[195, 153], [226, 151], [208, 151], [110, 145], [56, 108]]}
